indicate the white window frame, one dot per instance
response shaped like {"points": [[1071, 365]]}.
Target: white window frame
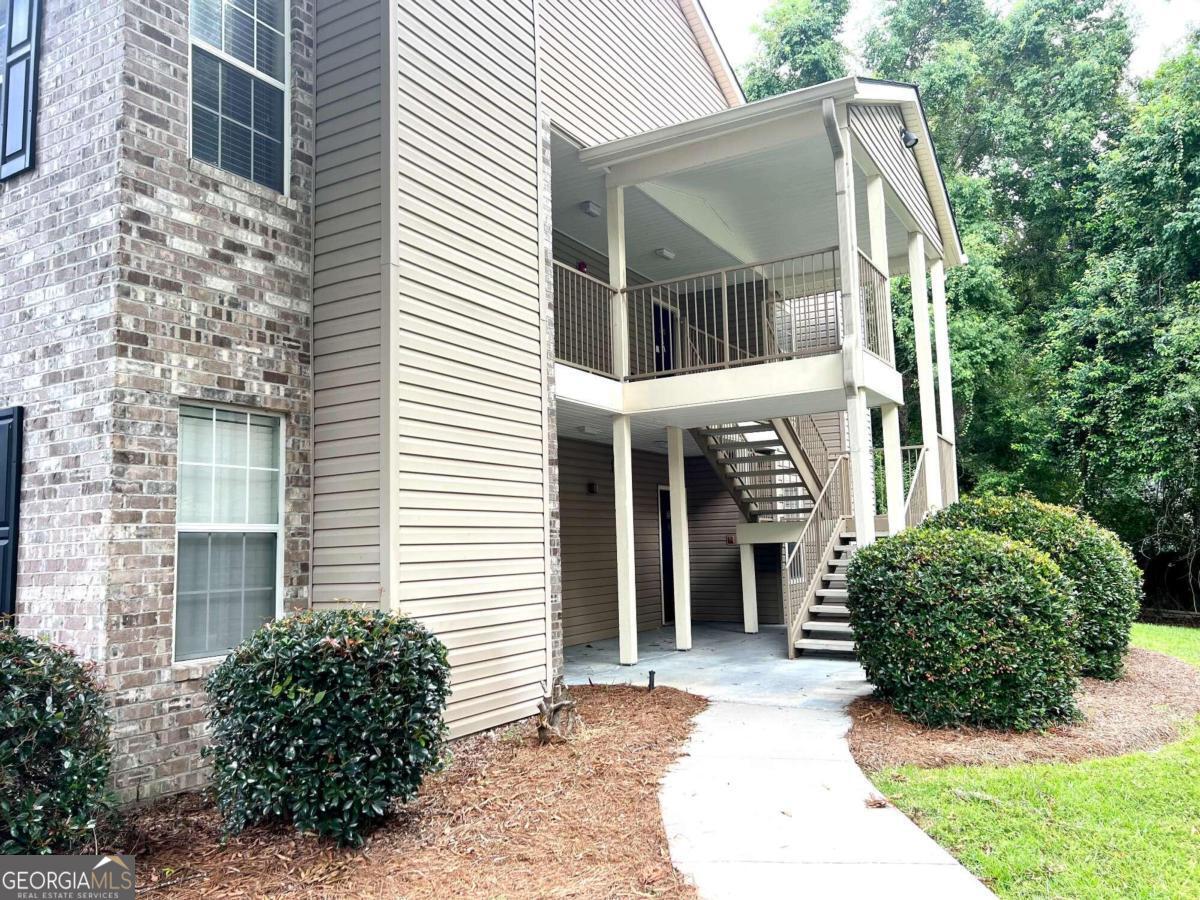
{"points": [[276, 529], [285, 86]]}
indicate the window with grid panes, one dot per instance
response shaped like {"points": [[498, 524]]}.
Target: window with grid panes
{"points": [[239, 87], [229, 528]]}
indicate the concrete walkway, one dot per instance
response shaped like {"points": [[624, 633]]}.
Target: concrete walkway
{"points": [[767, 799]]}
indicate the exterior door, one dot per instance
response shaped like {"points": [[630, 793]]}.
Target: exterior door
{"points": [[667, 559], [666, 334], [10, 497]]}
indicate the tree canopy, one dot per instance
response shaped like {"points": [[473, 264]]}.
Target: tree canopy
{"points": [[799, 45]]}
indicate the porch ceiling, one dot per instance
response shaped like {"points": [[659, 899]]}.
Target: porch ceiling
{"points": [[764, 170], [768, 205], [581, 423]]}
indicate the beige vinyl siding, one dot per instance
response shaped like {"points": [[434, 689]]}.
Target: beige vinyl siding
{"points": [[589, 545], [347, 248], [467, 364], [614, 68], [832, 428], [713, 517], [589, 540], [878, 128]]}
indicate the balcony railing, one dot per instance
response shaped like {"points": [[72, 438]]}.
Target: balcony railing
{"points": [[583, 320], [876, 310], [782, 309]]}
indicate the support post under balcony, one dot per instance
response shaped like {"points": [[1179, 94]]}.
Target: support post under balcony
{"points": [[626, 574], [749, 589], [680, 556], [924, 353], [945, 387], [893, 467]]}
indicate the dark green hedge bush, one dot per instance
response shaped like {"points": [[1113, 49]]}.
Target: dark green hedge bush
{"points": [[54, 749], [963, 627], [323, 719], [1106, 580]]}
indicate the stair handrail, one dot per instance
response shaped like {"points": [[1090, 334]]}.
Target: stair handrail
{"points": [[916, 504], [801, 570]]}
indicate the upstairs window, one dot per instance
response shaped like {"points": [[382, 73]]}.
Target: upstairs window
{"points": [[19, 26], [239, 87]]}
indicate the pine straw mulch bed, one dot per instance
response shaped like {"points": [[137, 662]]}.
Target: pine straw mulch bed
{"points": [[507, 818], [1142, 711]]}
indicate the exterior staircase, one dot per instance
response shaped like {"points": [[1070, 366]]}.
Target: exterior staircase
{"points": [[825, 625], [779, 470], [764, 467]]}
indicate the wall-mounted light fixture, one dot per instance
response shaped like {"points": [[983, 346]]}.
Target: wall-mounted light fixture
{"points": [[665, 253], [910, 139], [590, 208]]}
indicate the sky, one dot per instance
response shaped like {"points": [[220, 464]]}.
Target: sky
{"points": [[1159, 27]]}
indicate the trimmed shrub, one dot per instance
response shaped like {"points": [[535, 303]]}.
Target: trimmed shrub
{"points": [[1104, 577], [324, 719], [964, 627], [54, 750]]}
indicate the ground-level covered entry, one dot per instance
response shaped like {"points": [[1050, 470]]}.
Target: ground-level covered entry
{"points": [[589, 546]]}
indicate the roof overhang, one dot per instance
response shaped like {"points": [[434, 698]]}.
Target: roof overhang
{"points": [[776, 121]]}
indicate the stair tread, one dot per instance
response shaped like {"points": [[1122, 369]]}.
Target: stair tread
{"points": [[840, 593], [830, 609], [833, 627], [827, 646]]}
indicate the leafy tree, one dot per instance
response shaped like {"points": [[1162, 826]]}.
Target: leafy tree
{"points": [[1124, 343], [798, 47]]}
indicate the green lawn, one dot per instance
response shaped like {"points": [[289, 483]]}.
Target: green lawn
{"points": [[1125, 827]]}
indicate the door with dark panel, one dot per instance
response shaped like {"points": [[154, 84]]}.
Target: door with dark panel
{"points": [[10, 500], [666, 557]]}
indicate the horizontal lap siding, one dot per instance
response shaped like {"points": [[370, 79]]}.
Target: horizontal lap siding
{"points": [[832, 428], [468, 364], [613, 68], [589, 540], [716, 564], [878, 129], [347, 259]]}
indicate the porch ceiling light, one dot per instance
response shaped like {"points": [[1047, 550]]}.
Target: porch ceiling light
{"points": [[590, 208], [910, 139], [665, 253]]}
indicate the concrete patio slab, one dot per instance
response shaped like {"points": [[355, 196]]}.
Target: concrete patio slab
{"points": [[767, 796]]}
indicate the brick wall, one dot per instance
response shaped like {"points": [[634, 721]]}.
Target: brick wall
{"points": [[58, 227], [142, 278], [212, 304]]}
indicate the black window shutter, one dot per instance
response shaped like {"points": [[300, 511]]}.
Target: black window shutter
{"points": [[20, 59], [10, 501]]}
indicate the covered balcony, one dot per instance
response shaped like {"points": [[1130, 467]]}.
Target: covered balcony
{"points": [[730, 276]]}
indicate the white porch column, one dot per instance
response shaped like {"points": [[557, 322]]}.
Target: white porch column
{"points": [[920, 302], [857, 415], [617, 279], [749, 589], [626, 583], [877, 230], [941, 341], [893, 467], [862, 466], [680, 555]]}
